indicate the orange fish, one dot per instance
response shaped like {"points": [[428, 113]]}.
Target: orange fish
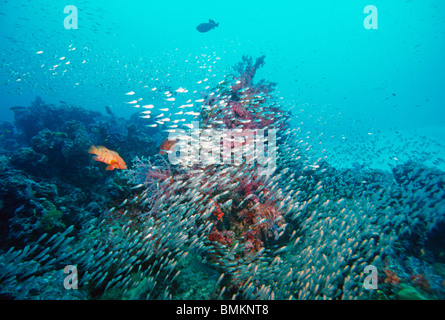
{"points": [[109, 157], [166, 146]]}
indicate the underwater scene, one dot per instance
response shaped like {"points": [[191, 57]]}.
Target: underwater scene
{"points": [[222, 150]]}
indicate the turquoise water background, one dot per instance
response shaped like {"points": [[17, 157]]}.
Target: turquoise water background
{"points": [[359, 176], [323, 59]]}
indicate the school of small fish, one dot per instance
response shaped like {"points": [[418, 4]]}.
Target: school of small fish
{"points": [[307, 231]]}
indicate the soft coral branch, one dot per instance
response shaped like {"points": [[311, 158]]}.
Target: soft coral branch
{"points": [[149, 174], [247, 71]]}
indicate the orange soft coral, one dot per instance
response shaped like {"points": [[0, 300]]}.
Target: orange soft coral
{"points": [[391, 277]]}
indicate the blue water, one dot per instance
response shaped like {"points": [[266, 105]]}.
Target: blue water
{"points": [[367, 96], [318, 52]]}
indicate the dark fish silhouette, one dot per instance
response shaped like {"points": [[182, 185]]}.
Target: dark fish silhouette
{"points": [[204, 27]]}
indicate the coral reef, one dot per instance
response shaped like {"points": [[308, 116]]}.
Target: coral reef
{"points": [[47, 179], [209, 231]]}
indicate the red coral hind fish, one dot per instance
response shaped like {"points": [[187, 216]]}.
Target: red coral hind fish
{"points": [[107, 156], [166, 146]]}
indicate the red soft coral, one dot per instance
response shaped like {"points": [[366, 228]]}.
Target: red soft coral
{"points": [[224, 237], [239, 111], [247, 71], [391, 277]]}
